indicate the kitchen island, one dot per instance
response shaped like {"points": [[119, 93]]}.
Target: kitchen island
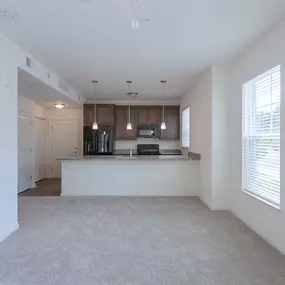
{"points": [[130, 176]]}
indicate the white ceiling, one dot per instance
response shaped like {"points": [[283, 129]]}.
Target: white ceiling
{"points": [[36, 90], [85, 41]]}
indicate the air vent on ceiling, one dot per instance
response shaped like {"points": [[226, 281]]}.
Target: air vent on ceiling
{"points": [[63, 86], [28, 62]]}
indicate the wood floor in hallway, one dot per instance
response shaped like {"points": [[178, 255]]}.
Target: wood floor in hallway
{"points": [[45, 187]]}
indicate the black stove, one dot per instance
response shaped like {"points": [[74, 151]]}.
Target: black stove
{"points": [[148, 149]]}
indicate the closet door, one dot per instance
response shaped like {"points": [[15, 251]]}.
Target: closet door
{"points": [[41, 148], [25, 152]]}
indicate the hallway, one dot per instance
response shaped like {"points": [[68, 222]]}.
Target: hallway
{"points": [[45, 187]]}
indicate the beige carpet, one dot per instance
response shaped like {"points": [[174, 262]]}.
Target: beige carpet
{"points": [[134, 241]]}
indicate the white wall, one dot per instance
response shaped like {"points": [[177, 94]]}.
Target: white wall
{"points": [[12, 57], [199, 98], [208, 132], [8, 143], [219, 137], [265, 54]]}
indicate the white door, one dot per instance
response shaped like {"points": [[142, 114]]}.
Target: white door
{"points": [[25, 152], [40, 148], [64, 142]]}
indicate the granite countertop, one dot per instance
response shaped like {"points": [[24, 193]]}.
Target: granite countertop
{"points": [[166, 154], [127, 157]]}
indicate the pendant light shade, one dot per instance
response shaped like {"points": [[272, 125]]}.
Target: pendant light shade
{"points": [[163, 125], [95, 125], [129, 125]]}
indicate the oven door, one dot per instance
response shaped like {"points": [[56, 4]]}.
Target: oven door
{"points": [[147, 131]]}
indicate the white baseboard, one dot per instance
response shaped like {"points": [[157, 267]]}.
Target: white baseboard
{"points": [[7, 232], [213, 208], [268, 240]]}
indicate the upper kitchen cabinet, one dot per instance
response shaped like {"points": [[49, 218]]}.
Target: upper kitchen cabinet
{"points": [[154, 115], [148, 115], [172, 118], [105, 115], [142, 115], [122, 119], [88, 114]]}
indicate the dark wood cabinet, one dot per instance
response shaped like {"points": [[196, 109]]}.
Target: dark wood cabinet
{"points": [[142, 115], [109, 115], [88, 114], [172, 119], [105, 115], [122, 119], [149, 115], [154, 115]]}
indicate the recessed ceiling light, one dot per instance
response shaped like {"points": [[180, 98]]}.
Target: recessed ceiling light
{"points": [[59, 106], [8, 14]]}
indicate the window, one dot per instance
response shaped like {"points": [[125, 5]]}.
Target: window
{"points": [[261, 137], [186, 128]]}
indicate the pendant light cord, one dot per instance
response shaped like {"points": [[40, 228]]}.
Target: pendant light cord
{"points": [[95, 91], [163, 92], [129, 83]]}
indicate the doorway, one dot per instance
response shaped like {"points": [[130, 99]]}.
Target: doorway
{"points": [[64, 143]]}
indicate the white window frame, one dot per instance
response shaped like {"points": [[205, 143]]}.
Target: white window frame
{"points": [[249, 88], [188, 129]]}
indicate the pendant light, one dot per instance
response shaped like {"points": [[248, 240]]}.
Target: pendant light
{"points": [[163, 125], [95, 125], [129, 125]]}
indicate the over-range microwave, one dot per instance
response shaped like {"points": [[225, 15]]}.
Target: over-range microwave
{"points": [[148, 131]]}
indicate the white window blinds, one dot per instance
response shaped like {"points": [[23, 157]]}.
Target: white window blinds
{"points": [[186, 128], [261, 136]]}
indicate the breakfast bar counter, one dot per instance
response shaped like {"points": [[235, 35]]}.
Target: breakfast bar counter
{"points": [[122, 175]]}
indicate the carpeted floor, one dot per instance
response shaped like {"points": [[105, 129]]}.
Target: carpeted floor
{"points": [[134, 241]]}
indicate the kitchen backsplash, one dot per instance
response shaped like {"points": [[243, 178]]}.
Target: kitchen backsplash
{"points": [[132, 144]]}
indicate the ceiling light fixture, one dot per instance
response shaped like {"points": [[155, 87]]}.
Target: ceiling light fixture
{"points": [[133, 94], [95, 125], [163, 125], [129, 125], [59, 105]]}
